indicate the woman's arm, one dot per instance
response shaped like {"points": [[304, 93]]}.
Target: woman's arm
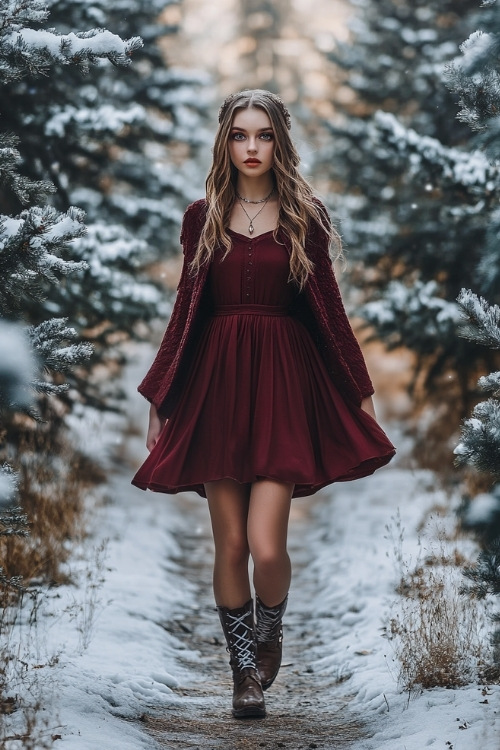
{"points": [[155, 427], [367, 405]]}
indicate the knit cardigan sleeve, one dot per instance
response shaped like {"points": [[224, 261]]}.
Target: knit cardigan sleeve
{"points": [[334, 335], [152, 386]]}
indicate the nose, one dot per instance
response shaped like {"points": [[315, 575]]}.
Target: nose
{"points": [[252, 145]]}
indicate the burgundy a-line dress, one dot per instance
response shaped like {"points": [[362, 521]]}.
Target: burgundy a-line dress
{"points": [[258, 401]]}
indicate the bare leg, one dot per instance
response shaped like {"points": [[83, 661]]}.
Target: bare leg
{"points": [[228, 505], [267, 530]]}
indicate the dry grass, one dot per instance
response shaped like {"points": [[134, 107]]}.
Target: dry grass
{"points": [[23, 721], [438, 635], [54, 479]]}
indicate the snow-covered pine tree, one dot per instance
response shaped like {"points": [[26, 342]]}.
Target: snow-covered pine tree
{"points": [[416, 206], [34, 242], [115, 145], [34, 238], [480, 441], [479, 448], [475, 77]]}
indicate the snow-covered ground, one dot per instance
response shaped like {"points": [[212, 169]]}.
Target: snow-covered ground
{"points": [[118, 660], [358, 564]]}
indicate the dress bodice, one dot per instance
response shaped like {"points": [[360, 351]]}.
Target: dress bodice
{"points": [[255, 272]]}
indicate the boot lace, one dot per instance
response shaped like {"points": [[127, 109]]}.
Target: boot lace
{"points": [[241, 640], [268, 624]]}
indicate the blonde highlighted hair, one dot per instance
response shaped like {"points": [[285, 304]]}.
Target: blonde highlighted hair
{"points": [[297, 205]]}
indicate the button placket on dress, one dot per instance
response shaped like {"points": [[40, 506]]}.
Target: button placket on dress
{"points": [[248, 270]]}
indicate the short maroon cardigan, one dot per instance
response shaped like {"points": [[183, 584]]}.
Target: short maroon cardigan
{"points": [[319, 307]]}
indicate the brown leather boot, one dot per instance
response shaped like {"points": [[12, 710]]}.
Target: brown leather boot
{"points": [[269, 635], [238, 627]]}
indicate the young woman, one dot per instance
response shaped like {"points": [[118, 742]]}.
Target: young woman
{"points": [[259, 392]]}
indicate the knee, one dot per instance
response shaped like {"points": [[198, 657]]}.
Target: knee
{"points": [[233, 549], [267, 559]]}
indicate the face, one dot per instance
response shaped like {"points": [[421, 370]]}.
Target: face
{"points": [[251, 142]]}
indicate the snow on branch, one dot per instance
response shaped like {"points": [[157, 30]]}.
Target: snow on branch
{"points": [[407, 314], [462, 168], [28, 244], [480, 439], [481, 321], [32, 51], [57, 348], [16, 14], [475, 77], [491, 383], [99, 119], [477, 51]]}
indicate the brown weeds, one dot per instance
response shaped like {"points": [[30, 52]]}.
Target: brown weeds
{"points": [[438, 635], [53, 481], [437, 632], [54, 478]]}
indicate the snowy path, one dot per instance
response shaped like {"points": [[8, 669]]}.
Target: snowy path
{"points": [[155, 673], [304, 710]]}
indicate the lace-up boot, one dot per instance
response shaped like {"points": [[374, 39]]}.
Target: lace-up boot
{"points": [[269, 635], [238, 627]]}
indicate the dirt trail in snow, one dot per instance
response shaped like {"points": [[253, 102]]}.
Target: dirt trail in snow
{"points": [[304, 710]]}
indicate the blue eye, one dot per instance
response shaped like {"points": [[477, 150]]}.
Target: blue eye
{"points": [[241, 136]]}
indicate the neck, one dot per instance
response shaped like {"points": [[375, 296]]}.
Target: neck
{"points": [[254, 189]]}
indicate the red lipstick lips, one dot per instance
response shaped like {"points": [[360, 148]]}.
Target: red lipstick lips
{"points": [[252, 161]]}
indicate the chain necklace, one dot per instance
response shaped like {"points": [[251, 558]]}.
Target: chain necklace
{"points": [[247, 200], [251, 219]]}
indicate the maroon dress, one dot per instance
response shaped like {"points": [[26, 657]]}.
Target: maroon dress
{"points": [[258, 401]]}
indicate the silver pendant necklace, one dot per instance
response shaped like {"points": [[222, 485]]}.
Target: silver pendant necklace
{"points": [[251, 219]]}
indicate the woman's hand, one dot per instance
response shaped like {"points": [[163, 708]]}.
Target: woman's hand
{"points": [[367, 405], [154, 428]]}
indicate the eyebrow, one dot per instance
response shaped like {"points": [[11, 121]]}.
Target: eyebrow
{"points": [[242, 130]]}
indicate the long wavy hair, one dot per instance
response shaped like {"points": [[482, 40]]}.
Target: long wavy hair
{"points": [[297, 207]]}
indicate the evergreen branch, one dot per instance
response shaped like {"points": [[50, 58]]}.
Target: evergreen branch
{"points": [[480, 439], [23, 188], [45, 388], [102, 119], [394, 316], [31, 52], [28, 244], [485, 574], [15, 14], [459, 168], [491, 384], [481, 321], [47, 339]]}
